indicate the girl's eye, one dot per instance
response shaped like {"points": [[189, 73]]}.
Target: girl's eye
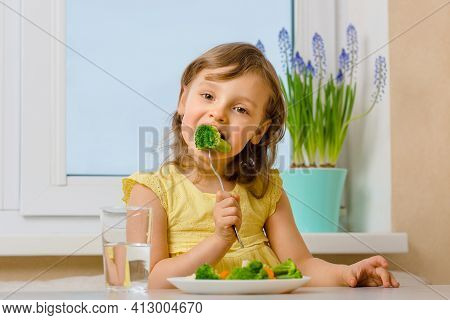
{"points": [[241, 110], [207, 96]]}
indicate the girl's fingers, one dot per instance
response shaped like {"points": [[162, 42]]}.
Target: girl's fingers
{"points": [[229, 202], [385, 277], [379, 261], [394, 281], [222, 195], [231, 220], [373, 282], [231, 211], [219, 196], [350, 277]]}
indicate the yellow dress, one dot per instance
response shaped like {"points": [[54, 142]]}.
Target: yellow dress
{"points": [[190, 214]]}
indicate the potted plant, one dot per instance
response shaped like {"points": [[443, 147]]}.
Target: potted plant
{"points": [[319, 113]]}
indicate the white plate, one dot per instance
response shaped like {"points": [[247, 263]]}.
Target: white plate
{"points": [[190, 285]]}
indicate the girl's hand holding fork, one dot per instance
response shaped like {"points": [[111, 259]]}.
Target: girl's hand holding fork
{"points": [[227, 212]]}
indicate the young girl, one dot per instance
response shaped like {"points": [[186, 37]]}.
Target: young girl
{"points": [[236, 89]]}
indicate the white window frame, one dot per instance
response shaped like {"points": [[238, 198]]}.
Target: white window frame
{"points": [[45, 188], [9, 105]]}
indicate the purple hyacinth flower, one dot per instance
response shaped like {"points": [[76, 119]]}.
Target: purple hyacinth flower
{"points": [[352, 47], [298, 65], [344, 61], [380, 78], [285, 49], [310, 69], [260, 46], [339, 77], [319, 55]]}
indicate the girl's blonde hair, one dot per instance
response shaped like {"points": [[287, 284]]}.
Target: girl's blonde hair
{"points": [[248, 59]]}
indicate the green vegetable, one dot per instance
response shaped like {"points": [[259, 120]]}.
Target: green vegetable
{"points": [[295, 275], [262, 274], [206, 272], [208, 137], [287, 270], [255, 266], [253, 271], [242, 274]]}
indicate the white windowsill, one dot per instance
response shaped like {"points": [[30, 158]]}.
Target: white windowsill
{"points": [[318, 243]]}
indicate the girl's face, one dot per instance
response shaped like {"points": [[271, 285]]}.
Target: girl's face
{"points": [[235, 107]]}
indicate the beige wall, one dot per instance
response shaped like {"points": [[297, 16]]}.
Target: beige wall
{"points": [[420, 122], [420, 138]]}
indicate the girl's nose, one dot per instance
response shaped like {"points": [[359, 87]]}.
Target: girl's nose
{"points": [[219, 114]]}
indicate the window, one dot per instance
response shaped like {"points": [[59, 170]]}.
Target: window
{"points": [[89, 82], [127, 69], [52, 184]]}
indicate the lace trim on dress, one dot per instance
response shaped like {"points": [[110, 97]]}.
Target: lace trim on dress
{"points": [[149, 180]]}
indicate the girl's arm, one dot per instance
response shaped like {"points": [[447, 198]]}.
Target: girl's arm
{"points": [[211, 250], [286, 241]]}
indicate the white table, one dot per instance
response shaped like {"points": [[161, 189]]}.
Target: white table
{"points": [[92, 289], [415, 293]]}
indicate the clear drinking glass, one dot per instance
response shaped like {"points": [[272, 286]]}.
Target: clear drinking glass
{"points": [[126, 238]]}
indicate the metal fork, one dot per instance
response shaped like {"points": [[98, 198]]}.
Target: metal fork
{"points": [[221, 185]]}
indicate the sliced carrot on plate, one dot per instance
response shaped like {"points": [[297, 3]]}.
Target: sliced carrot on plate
{"points": [[269, 272], [224, 274]]}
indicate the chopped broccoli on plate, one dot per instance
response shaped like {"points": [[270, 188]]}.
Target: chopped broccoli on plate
{"points": [[287, 270], [242, 274], [252, 270], [206, 272], [255, 266]]}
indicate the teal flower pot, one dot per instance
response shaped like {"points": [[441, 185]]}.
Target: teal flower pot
{"points": [[315, 197]]}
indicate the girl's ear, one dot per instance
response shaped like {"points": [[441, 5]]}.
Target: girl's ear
{"points": [[261, 131], [183, 95]]}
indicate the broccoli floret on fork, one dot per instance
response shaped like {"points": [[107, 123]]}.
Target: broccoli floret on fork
{"points": [[208, 137]]}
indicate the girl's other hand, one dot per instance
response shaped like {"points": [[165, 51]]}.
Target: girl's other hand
{"points": [[227, 212], [370, 272]]}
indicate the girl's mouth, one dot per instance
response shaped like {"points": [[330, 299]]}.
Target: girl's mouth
{"points": [[222, 135]]}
